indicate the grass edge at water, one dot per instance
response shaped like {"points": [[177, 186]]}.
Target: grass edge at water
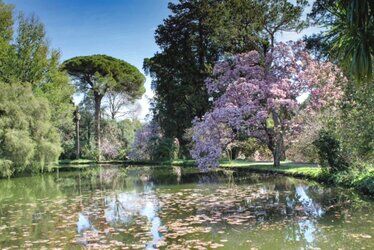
{"points": [[361, 180]]}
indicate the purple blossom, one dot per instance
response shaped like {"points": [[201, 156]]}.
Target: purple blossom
{"points": [[142, 147], [247, 92]]}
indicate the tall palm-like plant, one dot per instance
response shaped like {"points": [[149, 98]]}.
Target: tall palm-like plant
{"points": [[350, 33]]}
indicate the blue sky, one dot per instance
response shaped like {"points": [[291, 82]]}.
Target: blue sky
{"points": [[120, 28]]}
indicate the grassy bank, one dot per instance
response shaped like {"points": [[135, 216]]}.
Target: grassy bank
{"points": [[88, 162], [361, 180]]}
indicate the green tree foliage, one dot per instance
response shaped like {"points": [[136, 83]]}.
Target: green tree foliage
{"points": [[355, 125], [194, 37], [31, 51], [349, 40], [6, 21], [350, 33], [6, 35], [128, 128], [28, 59], [29, 141], [98, 74], [37, 64], [281, 15], [330, 152], [165, 149]]}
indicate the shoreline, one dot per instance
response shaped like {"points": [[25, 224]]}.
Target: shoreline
{"points": [[362, 181]]}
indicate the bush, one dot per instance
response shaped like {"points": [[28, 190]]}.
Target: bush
{"points": [[330, 153], [29, 141], [6, 169], [90, 151], [165, 149]]}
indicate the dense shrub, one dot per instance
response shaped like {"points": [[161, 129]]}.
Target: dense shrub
{"points": [[330, 152], [28, 140], [6, 169], [165, 149]]}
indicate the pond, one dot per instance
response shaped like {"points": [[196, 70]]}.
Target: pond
{"points": [[179, 208]]}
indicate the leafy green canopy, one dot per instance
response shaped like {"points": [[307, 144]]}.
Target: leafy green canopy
{"points": [[349, 36], [349, 41], [27, 58], [101, 73], [194, 37], [96, 75], [29, 141]]}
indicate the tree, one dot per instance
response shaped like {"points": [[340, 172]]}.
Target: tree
{"points": [[6, 21], [29, 59], [118, 136], [258, 97], [145, 142], [6, 35], [281, 15], [29, 141], [349, 36], [196, 35], [31, 51], [99, 74], [179, 70], [348, 41], [118, 105]]}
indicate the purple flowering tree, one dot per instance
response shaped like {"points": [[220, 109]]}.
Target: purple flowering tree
{"points": [[260, 97], [145, 141]]}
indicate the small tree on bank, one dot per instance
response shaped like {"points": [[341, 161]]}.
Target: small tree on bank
{"points": [[100, 74]]}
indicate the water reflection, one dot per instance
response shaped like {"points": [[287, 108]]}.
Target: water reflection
{"points": [[308, 204], [312, 210], [179, 208], [123, 209]]}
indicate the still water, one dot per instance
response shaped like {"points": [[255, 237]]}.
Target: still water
{"points": [[179, 208]]}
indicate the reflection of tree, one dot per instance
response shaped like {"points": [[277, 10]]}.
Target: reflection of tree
{"points": [[301, 202], [230, 177], [111, 177], [126, 208], [118, 210], [178, 172]]}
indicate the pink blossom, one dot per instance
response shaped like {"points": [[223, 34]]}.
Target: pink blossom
{"points": [[246, 92]]}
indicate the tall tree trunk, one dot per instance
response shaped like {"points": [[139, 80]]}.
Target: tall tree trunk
{"points": [[275, 148], [77, 137], [283, 148], [272, 39], [98, 97], [89, 132], [277, 154], [277, 139]]}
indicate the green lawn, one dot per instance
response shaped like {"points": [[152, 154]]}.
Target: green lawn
{"points": [[289, 168]]}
